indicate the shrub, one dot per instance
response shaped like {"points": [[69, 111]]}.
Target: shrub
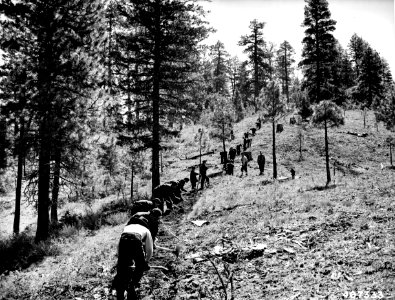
{"points": [[117, 218], [68, 231], [20, 251], [71, 219], [92, 220]]}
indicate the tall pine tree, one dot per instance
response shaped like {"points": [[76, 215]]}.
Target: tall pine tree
{"points": [[318, 49], [318, 58], [285, 60], [255, 48], [164, 54]]}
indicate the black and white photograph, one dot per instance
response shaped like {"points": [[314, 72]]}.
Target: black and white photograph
{"points": [[197, 149]]}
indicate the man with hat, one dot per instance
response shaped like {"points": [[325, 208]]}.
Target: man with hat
{"points": [[135, 249]]}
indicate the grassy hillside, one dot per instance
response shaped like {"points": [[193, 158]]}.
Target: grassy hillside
{"points": [[264, 240]]}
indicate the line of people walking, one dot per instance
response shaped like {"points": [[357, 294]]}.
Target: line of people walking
{"points": [[138, 239], [246, 157]]}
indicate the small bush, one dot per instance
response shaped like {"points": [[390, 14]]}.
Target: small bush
{"points": [[68, 231], [20, 251], [117, 218], [71, 219], [92, 220]]}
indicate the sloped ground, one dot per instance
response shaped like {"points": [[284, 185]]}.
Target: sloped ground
{"points": [[264, 239]]}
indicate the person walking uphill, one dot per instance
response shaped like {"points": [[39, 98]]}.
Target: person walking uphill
{"points": [[135, 246], [193, 178], [203, 174], [261, 163], [244, 164]]}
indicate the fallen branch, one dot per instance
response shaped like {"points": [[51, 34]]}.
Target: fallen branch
{"points": [[237, 205], [160, 268], [219, 276], [203, 154]]}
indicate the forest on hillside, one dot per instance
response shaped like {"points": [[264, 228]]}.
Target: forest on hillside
{"points": [[90, 91]]}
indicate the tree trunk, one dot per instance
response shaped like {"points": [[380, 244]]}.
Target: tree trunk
{"points": [[132, 184], [300, 146], [43, 181], [256, 66], [328, 171], [18, 192], [55, 187], [274, 150], [286, 75], [155, 100], [3, 141], [223, 137]]}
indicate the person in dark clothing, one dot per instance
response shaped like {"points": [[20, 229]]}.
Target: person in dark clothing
{"points": [[193, 177], [135, 249], [246, 135], [253, 131], [245, 144], [232, 153], [261, 163], [145, 205], [229, 167], [258, 123], [224, 157], [165, 192], [292, 173], [179, 189], [203, 175]]}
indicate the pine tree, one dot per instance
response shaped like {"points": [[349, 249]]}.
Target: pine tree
{"points": [[255, 48], [284, 66], [370, 87], [357, 47], [220, 58], [222, 118], [386, 109], [318, 49], [318, 59], [329, 114], [274, 108], [342, 76], [164, 55], [244, 84], [59, 36]]}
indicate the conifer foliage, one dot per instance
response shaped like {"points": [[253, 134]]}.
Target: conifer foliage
{"points": [[160, 43], [318, 49], [55, 40], [255, 48]]}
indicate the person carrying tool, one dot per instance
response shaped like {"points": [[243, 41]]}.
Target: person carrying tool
{"points": [[135, 249]]}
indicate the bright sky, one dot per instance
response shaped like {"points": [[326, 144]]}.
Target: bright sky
{"points": [[373, 20]]}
